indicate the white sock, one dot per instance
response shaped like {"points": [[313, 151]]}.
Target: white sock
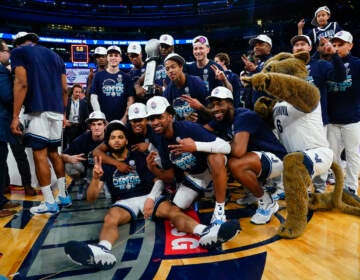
{"points": [[219, 208], [48, 195], [198, 229], [60, 182], [106, 244]]}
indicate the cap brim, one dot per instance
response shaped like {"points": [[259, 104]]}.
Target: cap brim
{"points": [[210, 98], [30, 36], [314, 22]]}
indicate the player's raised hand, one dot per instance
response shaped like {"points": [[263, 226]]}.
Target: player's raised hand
{"points": [[219, 74], [97, 170]]}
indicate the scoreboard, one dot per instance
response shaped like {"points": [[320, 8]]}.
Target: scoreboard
{"points": [[80, 53]]}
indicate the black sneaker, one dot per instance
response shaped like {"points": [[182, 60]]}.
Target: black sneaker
{"points": [[90, 255], [215, 234]]}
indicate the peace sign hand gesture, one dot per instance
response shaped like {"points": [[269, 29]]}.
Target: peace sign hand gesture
{"points": [[97, 170]]}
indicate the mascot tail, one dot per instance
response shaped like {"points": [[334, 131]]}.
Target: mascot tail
{"points": [[339, 198]]}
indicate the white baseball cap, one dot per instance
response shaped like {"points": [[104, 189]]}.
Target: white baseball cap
{"points": [[22, 36], [166, 39], [96, 115], [201, 39], [220, 93], [322, 8], [343, 36], [137, 111], [113, 48], [156, 105], [100, 51], [261, 38], [296, 38], [134, 47]]}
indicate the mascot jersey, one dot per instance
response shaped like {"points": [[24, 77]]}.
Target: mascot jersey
{"points": [[194, 163], [299, 131]]}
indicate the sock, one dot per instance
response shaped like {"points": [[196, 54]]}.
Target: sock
{"points": [[60, 182], [219, 208], [198, 229], [48, 195], [105, 244]]}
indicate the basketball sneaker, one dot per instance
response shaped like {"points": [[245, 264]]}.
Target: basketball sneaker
{"points": [[215, 234], [95, 256], [45, 208], [248, 199], [64, 201], [218, 219], [264, 212], [279, 194]]}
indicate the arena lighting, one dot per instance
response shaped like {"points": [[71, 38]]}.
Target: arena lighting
{"points": [[90, 41]]}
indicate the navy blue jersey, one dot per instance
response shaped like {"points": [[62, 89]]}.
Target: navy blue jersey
{"points": [[149, 137], [127, 185], [321, 74], [205, 73], [44, 69], [160, 75], [344, 97], [252, 95], [83, 144], [194, 87], [234, 79], [135, 74], [261, 137], [113, 91], [6, 108], [328, 32], [193, 163]]}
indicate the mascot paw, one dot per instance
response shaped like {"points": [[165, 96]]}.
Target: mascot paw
{"points": [[246, 81], [290, 231], [260, 82]]}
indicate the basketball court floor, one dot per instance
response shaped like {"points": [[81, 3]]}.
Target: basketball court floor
{"points": [[32, 247]]}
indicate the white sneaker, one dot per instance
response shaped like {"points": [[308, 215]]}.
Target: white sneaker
{"points": [[218, 219], [264, 212], [215, 234], [248, 199], [279, 194], [45, 208], [91, 255]]}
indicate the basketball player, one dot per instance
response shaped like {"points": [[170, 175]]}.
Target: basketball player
{"points": [[130, 193]]}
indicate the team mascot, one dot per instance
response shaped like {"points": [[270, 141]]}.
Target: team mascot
{"points": [[283, 78]]}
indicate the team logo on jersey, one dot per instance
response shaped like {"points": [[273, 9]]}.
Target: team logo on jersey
{"points": [[112, 88], [126, 181], [184, 161], [182, 108]]}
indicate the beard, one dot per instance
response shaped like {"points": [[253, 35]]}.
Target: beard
{"points": [[118, 150]]}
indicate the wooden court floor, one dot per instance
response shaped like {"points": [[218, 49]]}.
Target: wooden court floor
{"points": [[31, 247]]}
